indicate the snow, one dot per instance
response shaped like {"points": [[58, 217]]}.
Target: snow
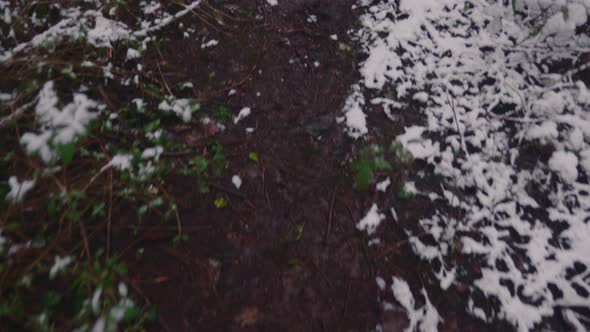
{"points": [[132, 54], [120, 162], [59, 264], [237, 181], [106, 31], [565, 164], [394, 214], [382, 186], [95, 301], [371, 220], [484, 81], [152, 153], [272, 2], [354, 118], [425, 319], [210, 43], [419, 147], [18, 190], [181, 107], [244, 112], [410, 188], [380, 283], [58, 126]]}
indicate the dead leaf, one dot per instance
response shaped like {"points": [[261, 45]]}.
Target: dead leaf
{"points": [[248, 317]]}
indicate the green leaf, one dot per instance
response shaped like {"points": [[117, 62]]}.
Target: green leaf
{"points": [[66, 152], [253, 156], [195, 107], [148, 128], [98, 210], [294, 262], [69, 72], [51, 299], [52, 205], [220, 203], [200, 163], [132, 314], [203, 187], [363, 174], [152, 314], [382, 164], [299, 233], [223, 114], [142, 210]]}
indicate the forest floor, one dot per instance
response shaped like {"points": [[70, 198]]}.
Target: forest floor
{"points": [[209, 167]]}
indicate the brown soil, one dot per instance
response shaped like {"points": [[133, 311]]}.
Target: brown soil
{"points": [[285, 253]]}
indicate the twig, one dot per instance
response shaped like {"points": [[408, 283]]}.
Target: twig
{"points": [[160, 70], [17, 113], [452, 105], [330, 214], [175, 208], [85, 239], [110, 214]]}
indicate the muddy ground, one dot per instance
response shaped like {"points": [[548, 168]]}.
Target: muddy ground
{"points": [[285, 253]]}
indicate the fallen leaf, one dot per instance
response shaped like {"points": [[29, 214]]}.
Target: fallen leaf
{"points": [[248, 317]]}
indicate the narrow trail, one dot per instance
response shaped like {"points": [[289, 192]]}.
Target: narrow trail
{"points": [[285, 253]]}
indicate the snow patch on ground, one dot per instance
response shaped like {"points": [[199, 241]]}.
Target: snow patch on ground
{"points": [[354, 118], [486, 82], [244, 112], [371, 220], [424, 319]]}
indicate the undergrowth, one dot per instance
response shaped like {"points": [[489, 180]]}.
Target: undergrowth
{"points": [[89, 125]]}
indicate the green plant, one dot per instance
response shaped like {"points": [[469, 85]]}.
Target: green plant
{"points": [[223, 114], [369, 160]]}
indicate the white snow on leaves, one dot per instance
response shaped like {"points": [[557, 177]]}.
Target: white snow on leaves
{"points": [[98, 30], [483, 78], [18, 190], [183, 108], [58, 125]]}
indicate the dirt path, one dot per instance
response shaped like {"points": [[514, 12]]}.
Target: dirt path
{"points": [[284, 254]]}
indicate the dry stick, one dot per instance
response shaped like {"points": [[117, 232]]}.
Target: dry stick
{"points": [[202, 18], [17, 113], [346, 299], [452, 105], [330, 214], [264, 185], [209, 24], [85, 239], [227, 88], [109, 218], [160, 70], [178, 222], [222, 13]]}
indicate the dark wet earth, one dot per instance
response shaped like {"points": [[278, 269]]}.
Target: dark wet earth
{"points": [[285, 253]]}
